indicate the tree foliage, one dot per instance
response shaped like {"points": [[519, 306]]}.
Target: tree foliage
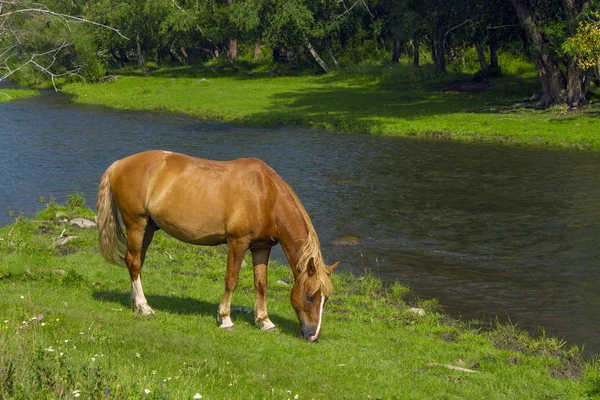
{"points": [[48, 38]]}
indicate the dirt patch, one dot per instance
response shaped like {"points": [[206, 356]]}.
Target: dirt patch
{"points": [[571, 368], [467, 86]]}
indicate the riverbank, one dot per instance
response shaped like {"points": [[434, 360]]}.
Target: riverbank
{"points": [[66, 328], [395, 100], [16, 94]]}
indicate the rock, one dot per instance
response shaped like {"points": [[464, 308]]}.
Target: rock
{"points": [[282, 283], [63, 240], [82, 223], [418, 311], [61, 214], [346, 241]]}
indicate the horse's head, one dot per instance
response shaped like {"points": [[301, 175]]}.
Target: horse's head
{"points": [[309, 294]]}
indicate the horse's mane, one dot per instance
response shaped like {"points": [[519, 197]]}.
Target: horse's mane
{"points": [[310, 249]]}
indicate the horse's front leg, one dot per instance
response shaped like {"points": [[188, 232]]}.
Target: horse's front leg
{"points": [[235, 255], [138, 241], [260, 260]]}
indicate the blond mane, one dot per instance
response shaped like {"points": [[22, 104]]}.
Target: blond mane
{"points": [[311, 249]]}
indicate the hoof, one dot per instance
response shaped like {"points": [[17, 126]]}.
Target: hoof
{"points": [[268, 326], [228, 328], [143, 309], [226, 323]]}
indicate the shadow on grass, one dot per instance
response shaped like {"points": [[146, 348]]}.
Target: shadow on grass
{"points": [[191, 306]]}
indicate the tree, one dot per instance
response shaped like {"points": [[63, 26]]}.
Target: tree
{"points": [[548, 25], [40, 41]]}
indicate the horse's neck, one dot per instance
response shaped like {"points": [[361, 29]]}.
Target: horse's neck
{"points": [[293, 231]]}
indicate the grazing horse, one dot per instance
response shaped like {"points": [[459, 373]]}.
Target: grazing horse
{"points": [[243, 203]]}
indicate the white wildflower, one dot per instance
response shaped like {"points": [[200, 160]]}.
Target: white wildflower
{"points": [[49, 349], [147, 391], [197, 396]]}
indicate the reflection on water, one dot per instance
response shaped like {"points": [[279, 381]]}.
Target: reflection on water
{"points": [[488, 230]]}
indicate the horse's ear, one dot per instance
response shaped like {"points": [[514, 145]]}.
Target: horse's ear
{"points": [[333, 267], [311, 268]]}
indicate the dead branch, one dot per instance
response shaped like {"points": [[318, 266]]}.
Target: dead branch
{"points": [[452, 367]]}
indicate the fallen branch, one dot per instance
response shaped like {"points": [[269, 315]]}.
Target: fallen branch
{"points": [[452, 367]]}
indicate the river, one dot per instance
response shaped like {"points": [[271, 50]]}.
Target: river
{"points": [[488, 230]]}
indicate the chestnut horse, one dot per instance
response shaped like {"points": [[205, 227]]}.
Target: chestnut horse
{"points": [[243, 203]]}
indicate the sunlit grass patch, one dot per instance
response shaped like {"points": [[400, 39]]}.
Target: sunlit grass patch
{"points": [[66, 331]]}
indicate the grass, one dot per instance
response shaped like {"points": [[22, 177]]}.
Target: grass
{"points": [[366, 98], [16, 94], [66, 331]]}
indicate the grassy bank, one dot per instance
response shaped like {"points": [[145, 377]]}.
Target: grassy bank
{"points": [[383, 99], [66, 330], [16, 94]]}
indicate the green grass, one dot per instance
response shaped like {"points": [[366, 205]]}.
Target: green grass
{"points": [[66, 326], [16, 94], [367, 98]]}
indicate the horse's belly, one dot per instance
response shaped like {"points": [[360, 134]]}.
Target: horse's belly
{"points": [[196, 232]]}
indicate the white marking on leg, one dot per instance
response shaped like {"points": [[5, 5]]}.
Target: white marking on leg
{"points": [[167, 151], [226, 323], [316, 335], [140, 304]]}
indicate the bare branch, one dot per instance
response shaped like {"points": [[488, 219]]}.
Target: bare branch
{"points": [[63, 16]]}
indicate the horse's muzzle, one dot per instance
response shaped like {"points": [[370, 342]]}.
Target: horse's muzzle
{"points": [[310, 335]]}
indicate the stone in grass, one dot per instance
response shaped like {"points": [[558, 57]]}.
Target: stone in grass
{"points": [[418, 311], [63, 240], [82, 223]]}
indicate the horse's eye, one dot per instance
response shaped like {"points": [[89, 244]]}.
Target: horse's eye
{"points": [[311, 298]]}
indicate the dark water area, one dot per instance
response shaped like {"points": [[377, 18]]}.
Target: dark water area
{"points": [[487, 230]]}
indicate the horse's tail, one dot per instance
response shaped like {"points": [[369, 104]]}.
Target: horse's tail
{"points": [[111, 238]]}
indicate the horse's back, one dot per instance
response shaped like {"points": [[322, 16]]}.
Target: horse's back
{"points": [[194, 199]]}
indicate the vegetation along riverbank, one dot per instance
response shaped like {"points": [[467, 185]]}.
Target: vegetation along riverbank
{"points": [[16, 94], [66, 330], [399, 99]]}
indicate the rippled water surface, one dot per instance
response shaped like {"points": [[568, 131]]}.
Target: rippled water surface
{"points": [[488, 230]]}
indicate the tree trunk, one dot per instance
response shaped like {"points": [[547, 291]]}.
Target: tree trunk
{"points": [[233, 49], [396, 51], [577, 84], [493, 54], [557, 88], [316, 56], [332, 55], [158, 60], [256, 52], [440, 59], [139, 55], [481, 56], [416, 51], [174, 54]]}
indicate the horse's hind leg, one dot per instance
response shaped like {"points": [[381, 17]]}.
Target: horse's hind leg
{"points": [[260, 259], [138, 240]]}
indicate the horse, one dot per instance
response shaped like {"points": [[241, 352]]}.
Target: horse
{"points": [[243, 203]]}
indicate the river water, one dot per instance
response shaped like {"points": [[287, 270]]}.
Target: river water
{"points": [[488, 230]]}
